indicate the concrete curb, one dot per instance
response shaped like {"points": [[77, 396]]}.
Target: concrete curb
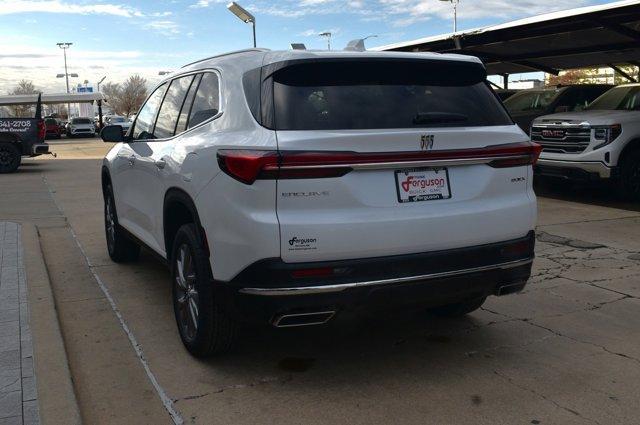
{"points": [[57, 400]]}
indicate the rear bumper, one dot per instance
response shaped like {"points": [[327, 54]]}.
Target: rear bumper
{"points": [[40, 149], [266, 291], [575, 170]]}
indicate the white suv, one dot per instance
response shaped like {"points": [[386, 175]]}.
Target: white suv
{"points": [[289, 187], [601, 142]]}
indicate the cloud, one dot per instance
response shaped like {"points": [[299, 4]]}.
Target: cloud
{"points": [[164, 27], [313, 33], [9, 7], [408, 12], [206, 3]]}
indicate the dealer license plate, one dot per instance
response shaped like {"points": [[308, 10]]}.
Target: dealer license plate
{"points": [[422, 184]]}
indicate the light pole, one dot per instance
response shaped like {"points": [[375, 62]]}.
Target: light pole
{"points": [[328, 35], [244, 16], [100, 82], [455, 13], [64, 47]]}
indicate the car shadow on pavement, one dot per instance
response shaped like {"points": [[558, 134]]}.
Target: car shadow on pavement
{"points": [[595, 193]]}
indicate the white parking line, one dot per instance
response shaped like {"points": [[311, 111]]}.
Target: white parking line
{"points": [[166, 400]]}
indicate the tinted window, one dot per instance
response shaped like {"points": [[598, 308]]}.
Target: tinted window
{"points": [[361, 95], [146, 116], [170, 109], [207, 102], [188, 103], [531, 100], [620, 98], [81, 121], [50, 121]]}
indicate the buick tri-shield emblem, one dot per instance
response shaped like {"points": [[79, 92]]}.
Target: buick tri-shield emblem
{"points": [[426, 142]]}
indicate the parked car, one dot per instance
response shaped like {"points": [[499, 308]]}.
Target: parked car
{"points": [[118, 120], [54, 128], [21, 137], [529, 104], [602, 142], [505, 94], [81, 126], [290, 187]]}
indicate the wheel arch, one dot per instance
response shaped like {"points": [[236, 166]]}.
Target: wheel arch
{"points": [[105, 178], [632, 146], [179, 209], [11, 138]]}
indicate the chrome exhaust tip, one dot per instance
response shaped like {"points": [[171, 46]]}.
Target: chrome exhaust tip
{"points": [[510, 288], [303, 319]]}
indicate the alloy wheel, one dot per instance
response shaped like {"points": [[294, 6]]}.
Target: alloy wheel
{"points": [[110, 222], [186, 293]]}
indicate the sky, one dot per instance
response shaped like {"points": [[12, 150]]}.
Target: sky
{"points": [[115, 39]]}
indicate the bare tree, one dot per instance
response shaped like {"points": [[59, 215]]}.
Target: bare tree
{"points": [[23, 87], [127, 98]]}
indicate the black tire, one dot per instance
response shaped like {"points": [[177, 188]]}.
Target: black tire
{"points": [[459, 309], [120, 247], [629, 179], [206, 329], [10, 157]]}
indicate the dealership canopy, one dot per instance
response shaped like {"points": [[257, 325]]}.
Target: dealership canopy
{"points": [[603, 35], [30, 99]]}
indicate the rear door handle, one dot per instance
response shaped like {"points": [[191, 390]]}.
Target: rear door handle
{"points": [[161, 163]]}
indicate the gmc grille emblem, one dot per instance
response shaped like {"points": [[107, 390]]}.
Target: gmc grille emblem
{"points": [[553, 133], [426, 142]]}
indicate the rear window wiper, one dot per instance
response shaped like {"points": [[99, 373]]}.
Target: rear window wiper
{"points": [[439, 118]]}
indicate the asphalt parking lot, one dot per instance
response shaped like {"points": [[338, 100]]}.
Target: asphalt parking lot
{"points": [[565, 351]]}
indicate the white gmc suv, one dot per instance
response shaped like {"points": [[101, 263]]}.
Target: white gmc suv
{"points": [[600, 142], [289, 187]]}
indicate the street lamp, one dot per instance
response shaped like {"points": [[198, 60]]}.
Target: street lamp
{"points": [[328, 35], [100, 82], [64, 46], [455, 13], [244, 16]]}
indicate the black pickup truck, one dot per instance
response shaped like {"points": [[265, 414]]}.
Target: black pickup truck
{"points": [[21, 137]]}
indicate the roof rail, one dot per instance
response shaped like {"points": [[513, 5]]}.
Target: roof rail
{"points": [[227, 54]]}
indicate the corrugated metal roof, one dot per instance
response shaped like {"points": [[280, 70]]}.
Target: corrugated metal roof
{"points": [[586, 36]]}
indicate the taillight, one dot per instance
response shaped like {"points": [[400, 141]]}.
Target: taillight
{"points": [[248, 166], [517, 156], [42, 130], [245, 165]]}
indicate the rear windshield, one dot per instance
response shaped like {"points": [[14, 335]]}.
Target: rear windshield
{"points": [[379, 95], [50, 121], [81, 121]]}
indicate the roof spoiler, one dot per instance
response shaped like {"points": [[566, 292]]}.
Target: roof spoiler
{"points": [[39, 107]]}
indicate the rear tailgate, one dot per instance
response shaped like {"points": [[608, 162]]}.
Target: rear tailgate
{"points": [[371, 212], [415, 143]]}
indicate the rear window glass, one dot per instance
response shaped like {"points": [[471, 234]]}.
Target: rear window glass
{"points": [[81, 121], [377, 95], [50, 121]]}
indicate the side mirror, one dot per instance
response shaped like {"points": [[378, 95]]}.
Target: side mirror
{"points": [[112, 134]]}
